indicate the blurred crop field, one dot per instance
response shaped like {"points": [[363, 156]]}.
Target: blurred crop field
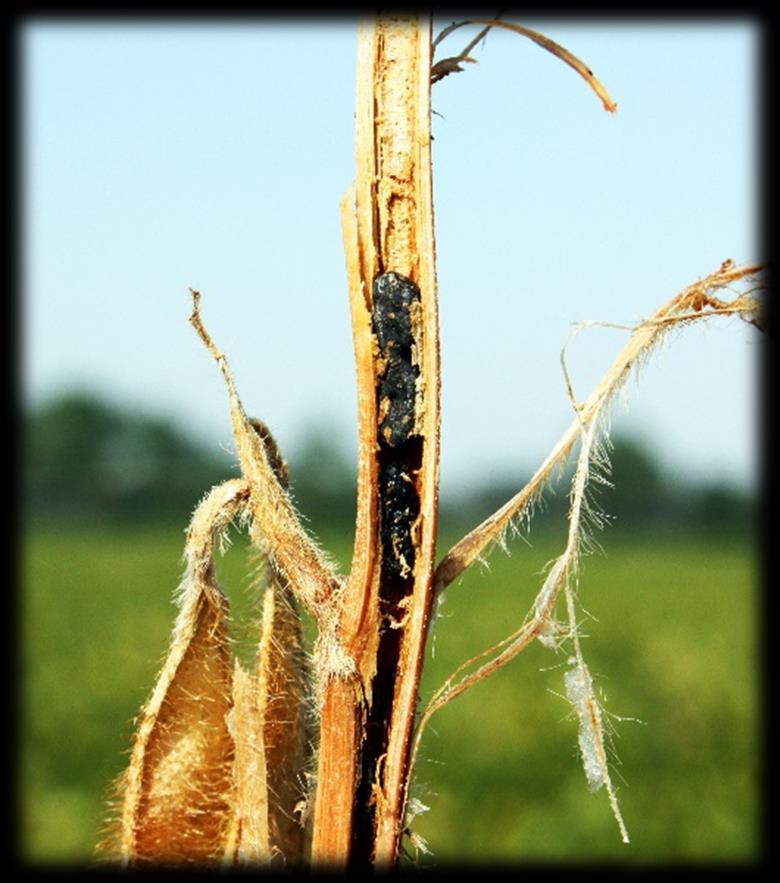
{"points": [[672, 642]]}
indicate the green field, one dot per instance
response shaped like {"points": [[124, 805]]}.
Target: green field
{"points": [[672, 641]]}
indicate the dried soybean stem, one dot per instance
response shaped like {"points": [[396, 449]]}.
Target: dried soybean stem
{"points": [[343, 710], [397, 765], [388, 228]]}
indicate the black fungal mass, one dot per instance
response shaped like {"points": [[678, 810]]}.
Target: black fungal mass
{"points": [[392, 314], [393, 299], [400, 508], [397, 391]]}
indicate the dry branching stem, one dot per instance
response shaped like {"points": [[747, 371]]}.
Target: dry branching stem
{"points": [[696, 302], [541, 40]]}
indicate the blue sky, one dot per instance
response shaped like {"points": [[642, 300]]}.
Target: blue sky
{"points": [[161, 156]]}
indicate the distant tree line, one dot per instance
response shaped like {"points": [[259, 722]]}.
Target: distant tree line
{"points": [[86, 461]]}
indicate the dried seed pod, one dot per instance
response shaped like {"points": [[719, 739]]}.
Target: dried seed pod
{"points": [[178, 789]]}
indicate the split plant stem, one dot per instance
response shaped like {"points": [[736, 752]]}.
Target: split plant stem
{"points": [[387, 219]]}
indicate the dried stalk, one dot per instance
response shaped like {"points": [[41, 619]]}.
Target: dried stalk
{"points": [[388, 227]]}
